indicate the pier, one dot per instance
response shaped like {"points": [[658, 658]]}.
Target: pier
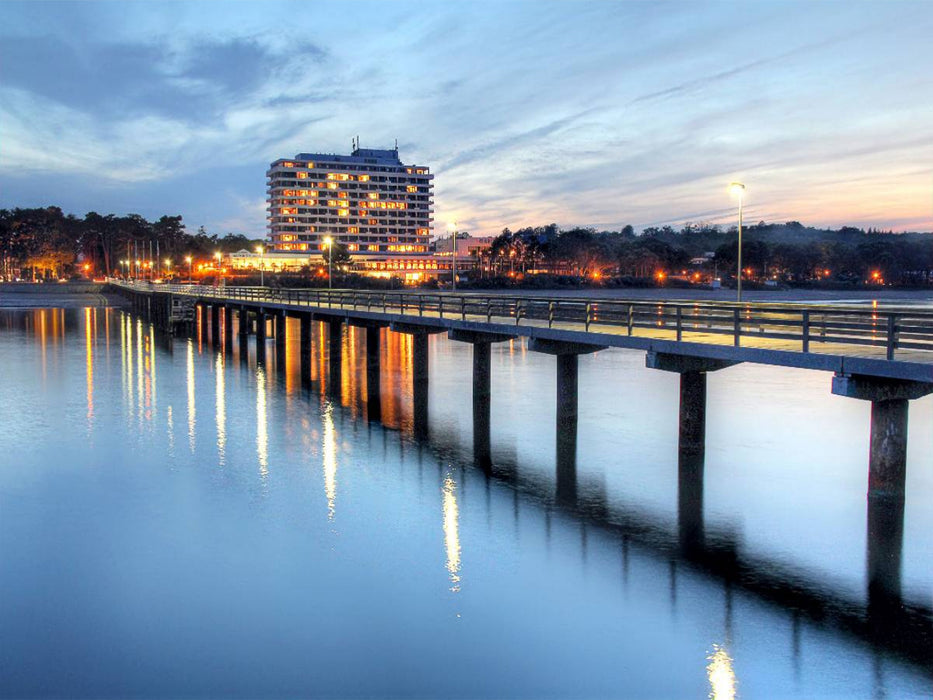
{"points": [[880, 355]]}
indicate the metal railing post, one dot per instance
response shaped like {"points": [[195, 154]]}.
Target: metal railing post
{"points": [[680, 326], [736, 326], [806, 331], [892, 336]]}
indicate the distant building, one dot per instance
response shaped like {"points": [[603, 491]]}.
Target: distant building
{"points": [[368, 201]]}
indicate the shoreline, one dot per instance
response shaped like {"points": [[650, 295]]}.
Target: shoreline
{"points": [[14, 300]]}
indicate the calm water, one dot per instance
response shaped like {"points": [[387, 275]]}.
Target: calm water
{"points": [[175, 520]]}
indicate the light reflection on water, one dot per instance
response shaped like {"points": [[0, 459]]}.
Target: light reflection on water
{"points": [[168, 564]]}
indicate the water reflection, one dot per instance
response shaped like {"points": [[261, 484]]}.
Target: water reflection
{"points": [[720, 674], [189, 367], [329, 451], [684, 545], [221, 409], [452, 532], [90, 323], [262, 427]]}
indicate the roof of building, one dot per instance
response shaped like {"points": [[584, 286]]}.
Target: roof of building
{"points": [[370, 156]]}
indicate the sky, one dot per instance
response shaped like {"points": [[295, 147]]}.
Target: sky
{"points": [[580, 113]]}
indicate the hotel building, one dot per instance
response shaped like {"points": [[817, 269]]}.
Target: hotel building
{"points": [[369, 201]]}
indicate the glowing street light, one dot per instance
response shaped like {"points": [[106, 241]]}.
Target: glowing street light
{"points": [[262, 279], [738, 190], [188, 260], [452, 227], [329, 243]]}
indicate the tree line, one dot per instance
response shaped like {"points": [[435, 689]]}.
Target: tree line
{"points": [[47, 243], [789, 252]]}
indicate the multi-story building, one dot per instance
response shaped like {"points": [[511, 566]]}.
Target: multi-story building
{"points": [[368, 201]]}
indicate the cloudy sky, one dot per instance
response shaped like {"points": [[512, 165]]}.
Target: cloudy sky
{"points": [[582, 113]]}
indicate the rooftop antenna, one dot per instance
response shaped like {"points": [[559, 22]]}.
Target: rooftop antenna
{"points": [[396, 144]]}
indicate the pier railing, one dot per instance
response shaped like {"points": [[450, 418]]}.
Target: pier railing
{"points": [[787, 326]]}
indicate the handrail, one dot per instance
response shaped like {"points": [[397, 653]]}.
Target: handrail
{"points": [[894, 328]]}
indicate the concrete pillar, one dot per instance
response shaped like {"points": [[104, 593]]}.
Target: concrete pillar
{"points": [[567, 428], [215, 325], [420, 383], [692, 439], [887, 463], [885, 546], [305, 343], [260, 336], [228, 327], [887, 455], [243, 317], [280, 323], [482, 368], [335, 356], [373, 374], [690, 523]]}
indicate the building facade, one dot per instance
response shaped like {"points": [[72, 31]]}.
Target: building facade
{"points": [[368, 201]]}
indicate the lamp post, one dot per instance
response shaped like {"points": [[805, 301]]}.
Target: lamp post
{"points": [[188, 260], [738, 189], [262, 278], [168, 266], [329, 242], [453, 264], [218, 257]]}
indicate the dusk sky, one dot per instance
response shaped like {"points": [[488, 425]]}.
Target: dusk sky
{"points": [[581, 113]]}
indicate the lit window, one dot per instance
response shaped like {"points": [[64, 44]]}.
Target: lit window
{"points": [[411, 188]]}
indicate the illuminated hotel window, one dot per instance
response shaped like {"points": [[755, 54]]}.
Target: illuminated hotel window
{"points": [[302, 176], [363, 178], [374, 195], [373, 222], [353, 229], [343, 212], [310, 166], [288, 164], [411, 188], [332, 185]]}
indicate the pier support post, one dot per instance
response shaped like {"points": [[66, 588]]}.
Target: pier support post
{"points": [[373, 373], [305, 351], [215, 325], [420, 377], [482, 395], [887, 476], [280, 322], [691, 442], [887, 456], [243, 318], [228, 327], [335, 356], [482, 390], [566, 423], [260, 336], [419, 372]]}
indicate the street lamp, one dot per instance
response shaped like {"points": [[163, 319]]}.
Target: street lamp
{"points": [[188, 260], [262, 279], [329, 242], [738, 189], [453, 266], [168, 266]]}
